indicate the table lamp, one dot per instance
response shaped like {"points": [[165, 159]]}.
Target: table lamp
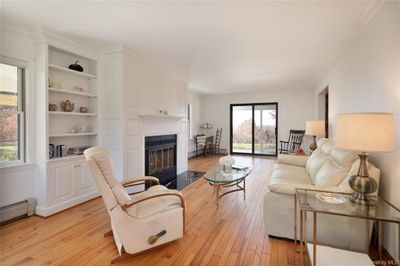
{"points": [[365, 132], [315, 128]]}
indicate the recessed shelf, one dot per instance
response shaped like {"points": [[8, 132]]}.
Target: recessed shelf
{"points": [[71, 113], [73, 72], [72, 135], [65, 158], [73, 92]]}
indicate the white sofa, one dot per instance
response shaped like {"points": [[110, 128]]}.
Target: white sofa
{"points": [[328, 168]]}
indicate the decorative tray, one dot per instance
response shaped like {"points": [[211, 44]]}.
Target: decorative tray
{"points": [[331, 198]]}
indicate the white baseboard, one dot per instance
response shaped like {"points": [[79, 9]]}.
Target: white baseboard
{"points": [[42, 211]]}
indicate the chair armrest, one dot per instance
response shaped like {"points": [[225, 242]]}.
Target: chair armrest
{"points": [[297, 160], [282, 141], [134, 181], [166, 194]]}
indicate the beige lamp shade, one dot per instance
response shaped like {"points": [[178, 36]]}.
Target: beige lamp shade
{"points": [[366, 132], [315, 128]]}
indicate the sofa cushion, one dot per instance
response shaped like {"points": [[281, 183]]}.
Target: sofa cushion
{"points": [[290, 173], [327, 147], [330, 174], [297, 160], [343, 158], [314, 163], [285, 178]]}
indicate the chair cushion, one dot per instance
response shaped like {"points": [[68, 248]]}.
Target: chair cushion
{"points": [[104, 162], [155, 205], [330, 174], [120, 193]]}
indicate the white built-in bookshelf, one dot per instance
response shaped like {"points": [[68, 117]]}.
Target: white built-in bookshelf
{"points": [[73, 129]]}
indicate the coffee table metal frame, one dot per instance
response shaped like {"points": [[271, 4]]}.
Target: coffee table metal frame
{"points": [[239, 184], [305, 207]]}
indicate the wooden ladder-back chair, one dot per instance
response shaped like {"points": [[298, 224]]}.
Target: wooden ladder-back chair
{"points": [[217, 144], [294, 141]]}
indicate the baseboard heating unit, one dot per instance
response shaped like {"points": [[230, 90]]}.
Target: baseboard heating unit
{"points": [[17, 210]]}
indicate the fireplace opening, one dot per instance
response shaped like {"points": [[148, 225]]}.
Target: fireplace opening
{"points": [[160, 159]]}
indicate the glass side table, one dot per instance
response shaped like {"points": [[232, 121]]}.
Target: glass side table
{"points": [[307, 201]]}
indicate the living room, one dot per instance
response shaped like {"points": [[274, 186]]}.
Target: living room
{"points": [[206, 93]]}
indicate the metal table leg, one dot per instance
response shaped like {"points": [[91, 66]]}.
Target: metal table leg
{"points": [[301, 237], [244, 188], [314, 239], [295, 223], [380, 237]]}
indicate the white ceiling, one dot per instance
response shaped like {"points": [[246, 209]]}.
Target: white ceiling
{"points": [[220, 47]]}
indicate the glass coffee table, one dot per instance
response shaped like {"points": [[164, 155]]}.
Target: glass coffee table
{"points": [[220, 179]]}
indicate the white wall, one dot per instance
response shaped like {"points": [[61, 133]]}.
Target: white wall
{"points": [[195, 99], [295, 107], [18, 183], [367, 79]]}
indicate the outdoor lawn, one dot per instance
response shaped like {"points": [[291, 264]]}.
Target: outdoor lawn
{"points": [[246, 148], [8, 151]]}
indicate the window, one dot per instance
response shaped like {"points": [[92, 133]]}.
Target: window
{"points": [[11, 114], [254, 128]]}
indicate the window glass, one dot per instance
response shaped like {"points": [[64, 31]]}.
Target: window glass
{"points": [[11, 115]]}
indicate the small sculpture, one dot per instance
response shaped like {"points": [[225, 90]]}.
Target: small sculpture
{"points": [[52, 107], [76, 66], [78, 89], [67, 106], [83, 109]]}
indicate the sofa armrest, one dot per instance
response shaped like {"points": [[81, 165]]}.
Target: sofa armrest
{"points": [[297, 160], [289, 189]]}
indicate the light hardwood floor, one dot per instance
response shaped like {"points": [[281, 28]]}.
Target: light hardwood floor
{"points": [[230, 235]]}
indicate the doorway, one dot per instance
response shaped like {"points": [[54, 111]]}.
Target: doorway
{"points": [[254, 129]]}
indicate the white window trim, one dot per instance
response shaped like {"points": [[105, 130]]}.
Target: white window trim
{"points": [[22, 139], [190, 121]]}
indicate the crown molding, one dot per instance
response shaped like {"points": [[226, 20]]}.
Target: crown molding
{"points": [[14, 29], [40, 36]]}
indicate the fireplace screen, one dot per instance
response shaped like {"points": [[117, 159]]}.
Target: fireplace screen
{"points": [[161, 159]]}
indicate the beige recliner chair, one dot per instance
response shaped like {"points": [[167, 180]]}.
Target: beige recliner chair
{"points": [[142, 221]]}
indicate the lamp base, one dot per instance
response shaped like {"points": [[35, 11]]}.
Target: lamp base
{"points": [[362, 199], [362, 184], [313, 145]]}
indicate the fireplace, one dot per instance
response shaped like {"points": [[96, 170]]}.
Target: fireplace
{"points": [[160, 159]]}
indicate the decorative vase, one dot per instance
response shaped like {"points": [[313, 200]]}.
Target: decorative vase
{"points": [[227, 162], [76, 66], [227, 168], [67, 106]]}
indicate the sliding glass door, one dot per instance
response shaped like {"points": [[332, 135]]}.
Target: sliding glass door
{"points": [[254, 128]]}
